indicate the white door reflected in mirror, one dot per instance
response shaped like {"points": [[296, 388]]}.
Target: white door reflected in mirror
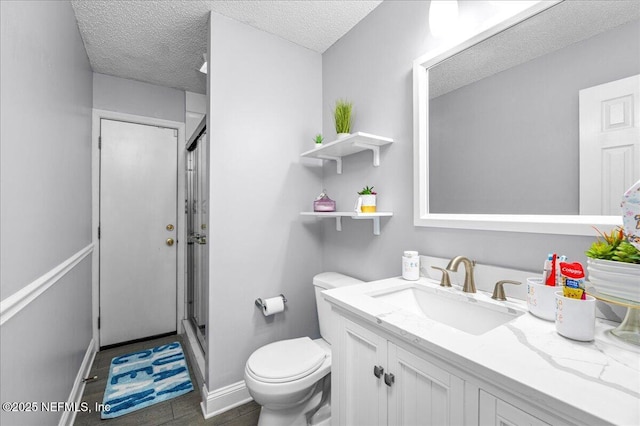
{"points": [[609, 144]]}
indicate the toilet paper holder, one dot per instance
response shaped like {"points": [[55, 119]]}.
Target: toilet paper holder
{"points": [[260, 304]]}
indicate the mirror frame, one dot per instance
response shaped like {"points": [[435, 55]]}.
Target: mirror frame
{"points": [[542, 224]]}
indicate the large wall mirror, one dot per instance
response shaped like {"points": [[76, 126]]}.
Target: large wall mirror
{"points": [[532, 125]]}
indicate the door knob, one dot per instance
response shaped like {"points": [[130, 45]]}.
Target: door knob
{"points": [[169, 241], [169, 227]]}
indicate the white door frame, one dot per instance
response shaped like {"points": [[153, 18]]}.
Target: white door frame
{"points": [[98, 115]]}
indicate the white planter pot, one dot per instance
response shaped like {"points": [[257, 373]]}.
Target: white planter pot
{"points": [[368, 203], [616, 279]]}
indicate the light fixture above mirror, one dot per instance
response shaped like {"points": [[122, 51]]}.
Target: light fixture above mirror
{"points": [[443, 15]]}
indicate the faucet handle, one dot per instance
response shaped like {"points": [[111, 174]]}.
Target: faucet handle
{"points": [[445, 281], [498, 291]]}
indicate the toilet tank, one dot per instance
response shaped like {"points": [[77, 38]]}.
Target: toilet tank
{"points": [[328, 319]]}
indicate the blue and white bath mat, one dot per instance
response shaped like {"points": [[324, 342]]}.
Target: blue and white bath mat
{"points": [[144, 378]]}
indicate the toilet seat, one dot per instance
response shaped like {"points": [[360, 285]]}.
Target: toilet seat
{"points": [[286, 360]]}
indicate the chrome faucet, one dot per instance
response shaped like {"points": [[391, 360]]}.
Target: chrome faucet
{"points": [[469, 284]]}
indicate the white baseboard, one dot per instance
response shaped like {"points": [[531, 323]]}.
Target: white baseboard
{"points": [[69, 417], [224, 399]]}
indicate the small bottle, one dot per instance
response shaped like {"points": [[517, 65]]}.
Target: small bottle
{"points": [[411, 266], [547, 268]]}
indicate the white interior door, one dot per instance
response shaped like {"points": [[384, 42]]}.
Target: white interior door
{"points": [[609, 144], [138, 213]]}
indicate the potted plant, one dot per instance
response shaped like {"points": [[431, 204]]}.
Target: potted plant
{"points": [[342, 115], [614, 272], [614, 266], [318, 140], [614, 247], [366, 200]]}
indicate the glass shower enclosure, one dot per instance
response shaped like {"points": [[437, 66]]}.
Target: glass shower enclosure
{"points": [[196, 210]]}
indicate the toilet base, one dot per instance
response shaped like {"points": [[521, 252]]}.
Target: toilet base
{"points": [[317, 407]]}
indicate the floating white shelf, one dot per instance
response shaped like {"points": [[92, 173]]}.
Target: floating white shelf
{"points": [[375, 217], [351, 144]]}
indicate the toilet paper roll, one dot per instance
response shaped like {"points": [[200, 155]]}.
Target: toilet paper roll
{"points": [[272, 306]]}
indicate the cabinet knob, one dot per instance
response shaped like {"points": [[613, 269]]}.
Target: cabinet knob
{"points": [[389, 379], [377, 371]]}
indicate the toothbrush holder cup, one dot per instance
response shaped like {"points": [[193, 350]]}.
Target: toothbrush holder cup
{"points": [[541, 299], [575, 318]]}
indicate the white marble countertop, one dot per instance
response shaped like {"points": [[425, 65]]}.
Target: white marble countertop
{"points": [[595, 382]]}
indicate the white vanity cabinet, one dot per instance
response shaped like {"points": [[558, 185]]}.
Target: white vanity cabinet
{"points": [[362, 396], [494, 411], [413, 388], [422, 394], [516, 374], [410, 390]]}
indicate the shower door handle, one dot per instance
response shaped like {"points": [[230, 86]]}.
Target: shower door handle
{"points": [[198, 238]]}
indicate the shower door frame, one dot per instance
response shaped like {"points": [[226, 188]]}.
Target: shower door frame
{"points": [[198, 135]]}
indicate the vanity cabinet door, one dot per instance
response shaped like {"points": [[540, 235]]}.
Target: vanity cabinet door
{"points": [[422, 393], [362, 395], [494, 411]]}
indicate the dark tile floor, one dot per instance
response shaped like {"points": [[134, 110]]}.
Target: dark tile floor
{"points": [[182, 410]]}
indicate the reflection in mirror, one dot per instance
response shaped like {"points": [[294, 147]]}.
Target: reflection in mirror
{"points": [[509, 142], [512, 121]]}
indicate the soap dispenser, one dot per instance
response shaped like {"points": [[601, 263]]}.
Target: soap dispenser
{"points": [[411, 265]]}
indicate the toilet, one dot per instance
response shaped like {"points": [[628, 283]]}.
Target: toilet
{"points": [[290, 378]]}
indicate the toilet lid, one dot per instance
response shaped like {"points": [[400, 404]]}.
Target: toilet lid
{"points": [[286, 360]]}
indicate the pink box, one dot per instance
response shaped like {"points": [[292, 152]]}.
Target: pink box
{"points": [[324, 205]]}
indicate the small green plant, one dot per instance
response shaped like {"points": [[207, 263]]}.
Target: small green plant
{"points": [[614, 246], [626, 252], [342, 116], [318, 139], [367, 191]]}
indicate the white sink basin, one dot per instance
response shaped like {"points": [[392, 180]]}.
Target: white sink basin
{"points": [[466, 313]]}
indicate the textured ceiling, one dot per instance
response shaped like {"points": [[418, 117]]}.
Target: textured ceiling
{"points": [[560, 26], [162, 42]]}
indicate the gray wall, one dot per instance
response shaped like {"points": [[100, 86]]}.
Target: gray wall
{"points": [[265, 108], [529, 116], [372, 66], [138, 98], [45, 187]]}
